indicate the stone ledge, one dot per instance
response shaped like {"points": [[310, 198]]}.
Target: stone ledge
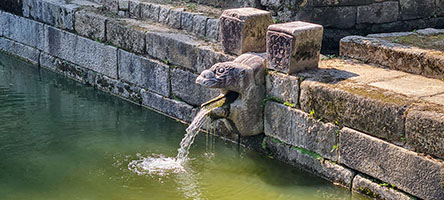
{"points": [[375, 190], [90, 24], [395, 56], [300, 158], [392, 164], [297, 128], [282, 86], [28, 53], [25, 31]]}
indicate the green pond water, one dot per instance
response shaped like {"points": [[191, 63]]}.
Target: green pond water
{"points": [[62, 140]]}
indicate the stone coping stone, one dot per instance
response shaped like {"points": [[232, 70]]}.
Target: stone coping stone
{"points": [[415, 174], [28, 32], [57, 13], [28, 53], [81, 51], [295, 157], [144, 72], [122, 35], [184, 87], [425, 129], [297, 128], [425, 62], [375, 190], [90, 24]]}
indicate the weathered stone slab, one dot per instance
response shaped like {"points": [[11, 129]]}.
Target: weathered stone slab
{"points": [[175, 48], [294, 46], [111, 5], [28, 53], [124, 5], [199, 25], [417, 175], [81, 51], [212, 31], [425, 132], [207, 57], [134, 9], [121, 34], [154, 12], [414, 86], [371, 110], [63, 67], [297, 128], [299, 157], [437, 99], [175, 17], [378, 13], [26, 31], [372, 189], [429, 63], [282, 86], [54, 12], [413, 9], [90, 25], [164, 14], [144, 72], [173, 108], [341, 2], [183, 86], [145, 10], [342, 17], [244, 29]]}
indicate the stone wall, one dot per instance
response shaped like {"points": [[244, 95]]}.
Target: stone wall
{"points": [[314, 120]]}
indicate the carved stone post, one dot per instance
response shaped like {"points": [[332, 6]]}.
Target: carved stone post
{"points": [[294, 46], [244, 29]]}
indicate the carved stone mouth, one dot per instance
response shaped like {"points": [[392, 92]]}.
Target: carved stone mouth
{"points": [[207, 82]]}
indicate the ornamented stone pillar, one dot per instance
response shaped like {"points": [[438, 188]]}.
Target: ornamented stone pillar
{"points": [[244, 30], [293, 46]]}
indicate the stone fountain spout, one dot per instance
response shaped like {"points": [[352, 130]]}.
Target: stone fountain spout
{"points": [[243, 82]]}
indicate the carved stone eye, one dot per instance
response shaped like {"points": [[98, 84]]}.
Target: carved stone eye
{"points": [[221, 70]]}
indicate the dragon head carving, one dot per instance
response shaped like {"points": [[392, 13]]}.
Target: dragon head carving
{"points": [[244, 76]]}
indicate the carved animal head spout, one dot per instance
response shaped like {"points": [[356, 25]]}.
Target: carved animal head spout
{"points": [[245, 77]]}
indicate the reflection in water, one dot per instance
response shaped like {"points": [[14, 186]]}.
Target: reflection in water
{"points": [[62, 140]]}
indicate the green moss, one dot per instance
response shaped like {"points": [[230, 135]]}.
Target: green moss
{"points": [[274, 140], [289, 104], [426, 42], [377, 94], [270, 98], [307, 152], [264, 143]]}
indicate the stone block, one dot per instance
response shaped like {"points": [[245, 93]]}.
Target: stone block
{"points": [[187, 21], [297, 128], [90, 25], [420, 176], [374, 111], [56, 13], [145, 10], [330, 17], [244, 29], [207, 57], [164, 14], [199, 25], [282, 86], [184, 87], [413, 9], [378, 13], [395, 56], [294, 46], [28, 53], [122, 35], [212, 31], [111, 5], [154, 11], [63, 67], [341, 2], [144, 72], [25, 31], [2, 23], [175, 48], [425, 132], [375, 190], [124, 5], [81, 51], [170, 107], [135, 9], [175, 17], [302, 158]]}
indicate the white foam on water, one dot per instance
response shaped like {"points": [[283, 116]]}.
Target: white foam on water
{"points": [[158, 165]]}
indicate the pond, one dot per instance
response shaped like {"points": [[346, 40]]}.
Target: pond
{"points": [[62, 140]]}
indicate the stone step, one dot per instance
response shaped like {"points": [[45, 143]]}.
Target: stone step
{"points": [[420, 52], [200, 20], [395, 106]]}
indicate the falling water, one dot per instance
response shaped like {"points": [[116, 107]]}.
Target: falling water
{"points": [[161, 165]]}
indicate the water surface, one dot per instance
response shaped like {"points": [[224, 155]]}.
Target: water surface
{"points": [[62, 140]]}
